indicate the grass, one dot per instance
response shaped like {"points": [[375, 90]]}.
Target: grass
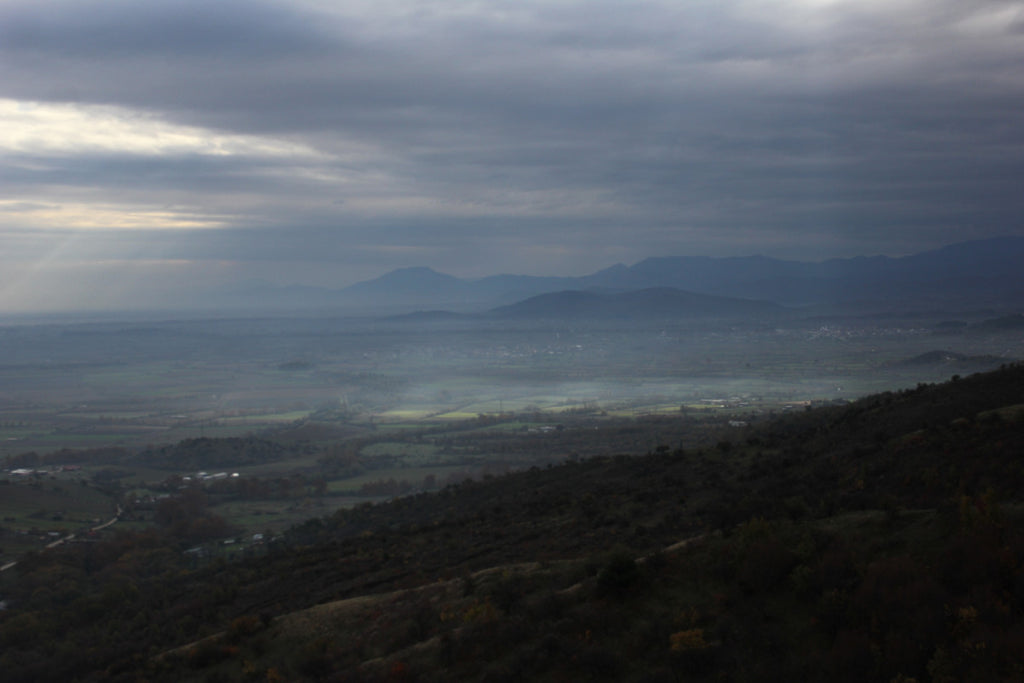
{"points": [[257, 517], [404, 414], [268, 418], [513, 426], [399, 448], [457, 415], [23, 498], [653, 409]]}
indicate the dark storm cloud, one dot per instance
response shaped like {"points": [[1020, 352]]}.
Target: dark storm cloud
{"points": [[186, 30], [483, 133]]}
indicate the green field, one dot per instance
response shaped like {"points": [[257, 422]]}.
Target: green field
{"points": [[400, 449]]}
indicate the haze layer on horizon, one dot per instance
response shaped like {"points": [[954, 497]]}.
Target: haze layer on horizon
{"points": [[150, 151]]}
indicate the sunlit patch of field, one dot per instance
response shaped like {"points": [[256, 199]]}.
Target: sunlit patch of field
{"points": [[457, 415], [699, 405], [402, 414], [512, 426], [268, 418], [571, 407], [652, 409], [404, 426]]}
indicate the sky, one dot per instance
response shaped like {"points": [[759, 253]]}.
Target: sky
{"points": [[151, 151]]}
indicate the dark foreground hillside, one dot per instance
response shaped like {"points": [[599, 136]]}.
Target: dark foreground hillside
{"points": [[880, 541]]}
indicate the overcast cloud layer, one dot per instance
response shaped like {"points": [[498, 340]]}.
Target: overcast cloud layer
{"points": [[147, 143]]}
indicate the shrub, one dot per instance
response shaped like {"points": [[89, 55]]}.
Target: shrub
{"points": [[618, 575], [690, 639]]}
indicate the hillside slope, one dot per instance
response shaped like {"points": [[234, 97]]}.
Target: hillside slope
{"points": [[864, 542]]}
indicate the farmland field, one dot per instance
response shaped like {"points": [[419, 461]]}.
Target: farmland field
{"points": [[367, 410], [72, 386]]}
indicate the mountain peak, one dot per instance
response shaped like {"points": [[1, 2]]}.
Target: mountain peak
{"points": [[979, 272], [414, 277], [417, 272]]}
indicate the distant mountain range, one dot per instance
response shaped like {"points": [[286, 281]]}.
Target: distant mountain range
{"points": [[980, 273], [660, 302]]}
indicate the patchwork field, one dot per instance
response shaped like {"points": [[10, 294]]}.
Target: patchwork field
{"points": [[370, 411]]}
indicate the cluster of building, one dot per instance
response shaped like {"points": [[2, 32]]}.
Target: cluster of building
{"points": [[206, 476], [27, 472]]}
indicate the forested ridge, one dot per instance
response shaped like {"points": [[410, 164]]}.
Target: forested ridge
{"points": [[875, 541]]}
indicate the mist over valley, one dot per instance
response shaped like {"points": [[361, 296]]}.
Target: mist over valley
{"points": [[236, 442], [654, 348]]}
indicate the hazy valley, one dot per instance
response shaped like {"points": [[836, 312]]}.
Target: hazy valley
{"points": [[147, 455]]}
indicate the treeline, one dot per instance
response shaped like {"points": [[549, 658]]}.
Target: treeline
{"points": [[295, 485], [67, 456], [208, 453]]}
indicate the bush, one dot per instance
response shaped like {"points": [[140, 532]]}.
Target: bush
{"points": [[618, 575]]}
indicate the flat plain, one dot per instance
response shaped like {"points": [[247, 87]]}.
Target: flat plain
{"points": [[369, 409]]}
